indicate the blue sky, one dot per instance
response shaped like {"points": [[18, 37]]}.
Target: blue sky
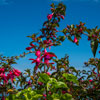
{"points": [[20, 18]]}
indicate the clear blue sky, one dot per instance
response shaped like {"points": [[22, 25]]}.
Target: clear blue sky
{"points": [[20, 18]]}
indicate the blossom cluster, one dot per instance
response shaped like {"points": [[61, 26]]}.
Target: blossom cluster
{"points": [[10, 75]]}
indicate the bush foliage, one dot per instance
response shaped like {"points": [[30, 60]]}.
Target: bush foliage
{"points": [[52, 78]]}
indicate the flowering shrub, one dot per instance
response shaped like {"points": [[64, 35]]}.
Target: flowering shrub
{"points": [[53, 78]]}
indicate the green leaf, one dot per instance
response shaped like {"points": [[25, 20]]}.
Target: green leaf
{"points": [[52, 82], [94, 46], [28, 71], [29, 95], [64, 30], [55, 96], [67, 96], [43, 78], [62, 38], [61, 85], [71, 77], [56, 99], [69, 38], [11, 97], [37, 96], [29, 89]]}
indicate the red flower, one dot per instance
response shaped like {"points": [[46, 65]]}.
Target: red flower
{"points": [[3, 98], [63, 92], [37, 61], [56, 30], [89, 38], [29, 82], [98, 75], [94, 72], [80, 30], [93, 87], [62, 16], [32, 45], [40, 83]]}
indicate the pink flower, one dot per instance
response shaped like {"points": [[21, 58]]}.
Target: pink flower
{"points": [[90, 80], [47, 42], [2, 70], [49, 16], [47, 56], [49, 47], [4, 77], [37, 61], [38, 53], [16, 72], [45, 50], [46, 61], [11, 76], [48, 73], [49, 92], [44, 95], [1, 75], [75, 40]]}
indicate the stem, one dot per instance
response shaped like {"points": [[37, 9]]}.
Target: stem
{"points": [[2, 96], [44, 69], [98, 72], [85, 34]]}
